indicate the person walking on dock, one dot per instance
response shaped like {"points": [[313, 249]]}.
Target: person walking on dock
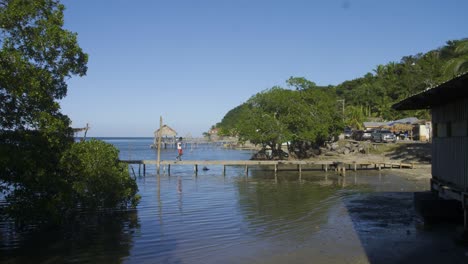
{"points": [[179, 149]]}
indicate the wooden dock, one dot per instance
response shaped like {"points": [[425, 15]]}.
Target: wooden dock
{"points": [[276, 164]]}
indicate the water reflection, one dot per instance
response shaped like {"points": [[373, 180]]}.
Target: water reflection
{"points": [[284, 207], [106, 238], [212, 218]]}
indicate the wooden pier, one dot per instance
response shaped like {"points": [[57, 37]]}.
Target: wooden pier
{"points": [[276, 164]]}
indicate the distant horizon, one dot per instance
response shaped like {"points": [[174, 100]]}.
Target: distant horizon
{"points": [[192, 62]]}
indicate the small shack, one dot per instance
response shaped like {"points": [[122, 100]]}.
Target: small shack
{"points": [[168, 137], [449, 104]]}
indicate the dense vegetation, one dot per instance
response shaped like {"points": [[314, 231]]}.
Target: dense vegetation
{"points": [[44, 175], [304, 117], [311, 114], [373, 94]]}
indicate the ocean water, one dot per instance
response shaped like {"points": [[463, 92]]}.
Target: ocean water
{"points": [[215, 218]]}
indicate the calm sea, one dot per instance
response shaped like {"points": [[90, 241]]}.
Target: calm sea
{"points": [[211, 218]]}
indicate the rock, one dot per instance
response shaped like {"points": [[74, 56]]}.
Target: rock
{"points": [[346, 151], [334, 146], [316, 152]]}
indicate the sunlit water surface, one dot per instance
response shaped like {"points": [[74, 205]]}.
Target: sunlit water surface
{"points": [[208, 218]]}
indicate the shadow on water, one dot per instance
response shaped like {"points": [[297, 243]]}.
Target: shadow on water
{"points": [[391, 231], [103, 238], [383, 225]]}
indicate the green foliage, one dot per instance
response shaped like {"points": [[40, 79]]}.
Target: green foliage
{"points": [[308, 116], [456, 53], [96, 177], [228, 125], [300, 83], [355, 117], [394, 81], [279, 115], [37, 56], [29, 174]]}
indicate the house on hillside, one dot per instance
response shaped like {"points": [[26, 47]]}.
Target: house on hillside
{"points": [[168, 136], [213, 134], [449, 105]]}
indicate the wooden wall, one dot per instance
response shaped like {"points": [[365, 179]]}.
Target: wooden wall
{"points": [[450, 144]]}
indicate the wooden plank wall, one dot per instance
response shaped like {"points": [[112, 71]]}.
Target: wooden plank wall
{"points": [[450, 154]]}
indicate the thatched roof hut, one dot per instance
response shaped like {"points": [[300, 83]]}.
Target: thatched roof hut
{"points": [[166, 131]]}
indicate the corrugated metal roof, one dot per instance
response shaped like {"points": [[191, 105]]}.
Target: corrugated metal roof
{"points": [[375, 124], [408, 120], [451, 90]]}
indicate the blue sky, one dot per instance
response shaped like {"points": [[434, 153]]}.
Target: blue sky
{"points": [[191, 61]]}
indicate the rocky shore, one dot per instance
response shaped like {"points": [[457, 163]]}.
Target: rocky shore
{"points": [[418, 153]]}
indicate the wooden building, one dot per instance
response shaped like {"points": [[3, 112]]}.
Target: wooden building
{"points": [[449, 106]]}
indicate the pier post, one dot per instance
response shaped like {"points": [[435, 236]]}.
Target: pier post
{"points": [[169, 169], [246, 170], [355, 166], [139, 169], [300, 172], [224, 170], [195, 169], [144, 169], [326, 167]]}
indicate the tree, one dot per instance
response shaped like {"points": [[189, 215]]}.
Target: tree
{"points": [[457, 54], [37, 56], [261, 121], [355, 117], [304, 118], [300, 83], [230, 121]]}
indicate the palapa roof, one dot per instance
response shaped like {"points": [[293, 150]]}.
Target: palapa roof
{"points": [[166, 131], [454, 89]]}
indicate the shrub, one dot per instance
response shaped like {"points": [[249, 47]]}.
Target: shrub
{"points": [[96, 177]]}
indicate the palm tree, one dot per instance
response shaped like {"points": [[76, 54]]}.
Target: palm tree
{"points": [[458, 60]]}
